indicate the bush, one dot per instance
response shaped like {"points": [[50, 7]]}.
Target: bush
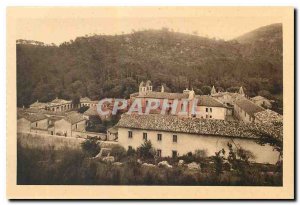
{"points": [[90, 147], [200, 153], [118, 152], [146, 151], [188, 158], [198, 156], [131, 152]]}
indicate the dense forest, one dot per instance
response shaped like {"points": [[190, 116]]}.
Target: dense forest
{"points": [[101, 66]]}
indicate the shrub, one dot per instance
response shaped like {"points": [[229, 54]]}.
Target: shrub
{"points": [[90, 147], [118, 152], [219, 159], [200, 153], [198, 156], [188, 158], [146, 151], [131, 152]]}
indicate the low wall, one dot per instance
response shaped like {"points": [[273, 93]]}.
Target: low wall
{"points": [[100, 136], [38, 140]]}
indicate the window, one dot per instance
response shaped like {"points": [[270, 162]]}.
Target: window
{"points": [[144, 136], [210, 116], [206, 109], [174, 153], [210, 109], [76, 126], [174, 138], [51, 132], [159, 153], [36, 124], [129, 147], [159, 137], [129, 134]]}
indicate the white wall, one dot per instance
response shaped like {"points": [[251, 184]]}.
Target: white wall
{"points": [[62, 126], [23, 125], [218, 113], [41, 124], [80, 126], [242, 115], [191, 142]]}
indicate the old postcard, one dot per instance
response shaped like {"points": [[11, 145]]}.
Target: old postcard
{"points": [[150, 103]]}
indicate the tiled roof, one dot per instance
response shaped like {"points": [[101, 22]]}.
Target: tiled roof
{"points": [[113, 130], [220, 94], [38, 104], [91, 111], [142, 84], [74, 118], [248, 106], [134, 94], [59, 101], [32, 117], [164, 95], [258, 98], [42, 111], [85, 99], [55, 118], [268, 116], [197, 126], [208, 101]]}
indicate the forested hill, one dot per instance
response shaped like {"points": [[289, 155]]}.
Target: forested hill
{"points": [[112, 66]]}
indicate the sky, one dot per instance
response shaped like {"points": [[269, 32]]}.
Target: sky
{"points": [[59, 25]]}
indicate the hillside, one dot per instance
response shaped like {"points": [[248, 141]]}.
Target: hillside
{"points": [[264, 42], [112, 66]]}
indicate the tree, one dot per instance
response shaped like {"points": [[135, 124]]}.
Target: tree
{"points": [[265, 93], [75, 101], [83, 109], [146, 151], [90, 147], [219, 161], [118, 152], [206, 90], [220, 89], [233, 89]]}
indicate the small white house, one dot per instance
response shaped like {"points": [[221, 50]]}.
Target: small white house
{"points": [[74, 122], [245, 109], [210, 108], [37, 123]]}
